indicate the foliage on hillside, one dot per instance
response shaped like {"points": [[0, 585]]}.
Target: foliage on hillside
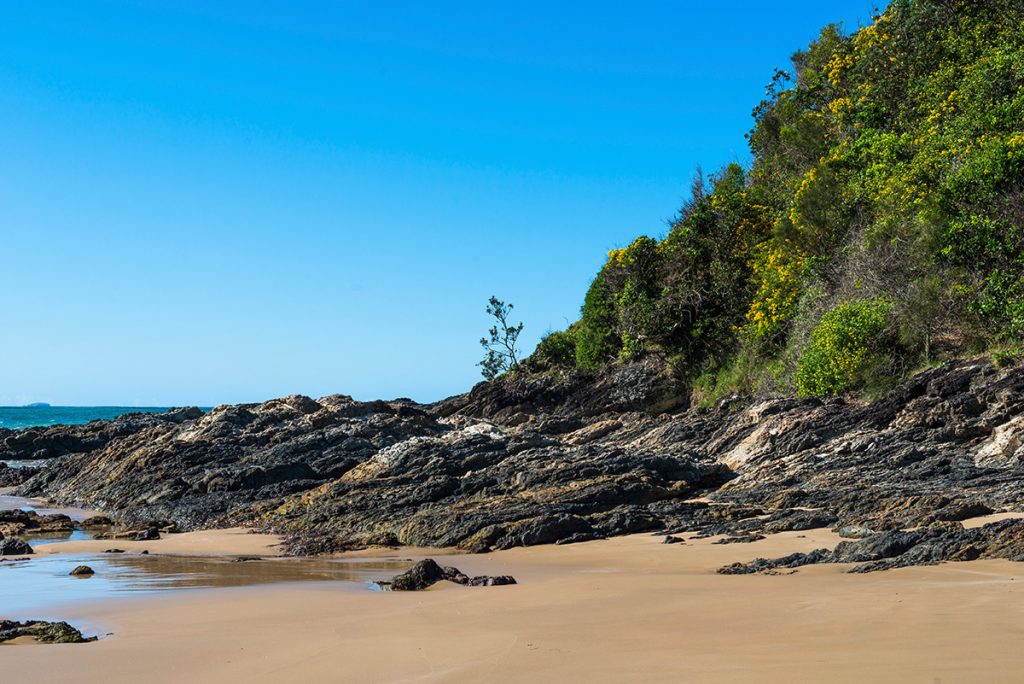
{"points": [[880, 223]]}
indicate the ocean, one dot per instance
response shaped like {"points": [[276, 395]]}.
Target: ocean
{"points": [[15, 417]]}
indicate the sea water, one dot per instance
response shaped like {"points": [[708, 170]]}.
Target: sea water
{"points": [[17, 417], [40, 586]]}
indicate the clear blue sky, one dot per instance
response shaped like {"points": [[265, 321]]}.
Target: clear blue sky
{"points": [[204, 205]]}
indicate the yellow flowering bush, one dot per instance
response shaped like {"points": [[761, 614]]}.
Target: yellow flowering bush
{"points": [[777, 268]]}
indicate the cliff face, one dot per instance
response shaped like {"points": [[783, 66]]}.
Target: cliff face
{"points": [[533, 461]]}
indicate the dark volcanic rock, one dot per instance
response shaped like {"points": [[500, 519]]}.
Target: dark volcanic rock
{"points": [[492, 581], [148, 534], [97, 521], [15, 547], [548, 458], [82, 571], [12, 477], [50, 442], [18, 522], [42, 631], [420, 576], [941, 541], [427, 573]]}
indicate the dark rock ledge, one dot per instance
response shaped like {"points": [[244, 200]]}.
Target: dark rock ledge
{"points": [[42, 631], [564, 458], [938, 542]]}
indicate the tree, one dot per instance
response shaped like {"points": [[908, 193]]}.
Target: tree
{"points": [[502, 353]]}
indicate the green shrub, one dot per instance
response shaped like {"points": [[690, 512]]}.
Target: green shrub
{"points": [[596, 340], [846, 343], [555, 350], [1007, 356]]}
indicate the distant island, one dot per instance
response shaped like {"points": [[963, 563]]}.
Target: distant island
{"points": [[37, 404]]}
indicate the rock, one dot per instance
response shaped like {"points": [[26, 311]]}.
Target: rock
{"points": [[488, 581], [938, 542], [740, 539], [42, 631], [13, 477], [82, 571], [15, 547], [148, 534], [427, 572], [1003, 448], [798, 520], [18, 522], [114, 551], [541, 458], [422, 575], [97, 521], [669, 539]]}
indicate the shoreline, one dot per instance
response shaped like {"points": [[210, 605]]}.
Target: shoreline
{"points": [[624, 609]]}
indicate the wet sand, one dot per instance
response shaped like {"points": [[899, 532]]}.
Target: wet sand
{"points": [[624, 610]]}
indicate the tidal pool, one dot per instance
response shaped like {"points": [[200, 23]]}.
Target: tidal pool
{"points": [[40, 586]]}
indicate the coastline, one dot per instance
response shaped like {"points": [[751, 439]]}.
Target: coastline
{"points": [[624, 609]]}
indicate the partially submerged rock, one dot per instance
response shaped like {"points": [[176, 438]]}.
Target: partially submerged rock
{"points": [[427, 573], [82, 571], [42, 631], [15, 547], [14, 522]]}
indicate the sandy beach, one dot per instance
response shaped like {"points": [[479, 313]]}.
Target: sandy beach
{"points": [[629, 609]]}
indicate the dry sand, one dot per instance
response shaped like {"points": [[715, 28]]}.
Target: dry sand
{"points": [[228, 542], [624, 610]]}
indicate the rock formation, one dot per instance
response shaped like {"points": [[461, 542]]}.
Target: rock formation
{"points": [[550, 458]]}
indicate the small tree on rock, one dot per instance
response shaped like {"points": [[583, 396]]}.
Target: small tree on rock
{"points": [[502, 353]]}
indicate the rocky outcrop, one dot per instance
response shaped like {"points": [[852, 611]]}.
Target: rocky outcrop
{"points": [[427, 573], [50, 442], [941, 541], [16, 522], [650, 386], [538, 459], [14, 547], [42, 631], [12, 477]]}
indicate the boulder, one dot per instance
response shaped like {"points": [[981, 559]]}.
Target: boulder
{"points": [[42, 631], [15, 547], [427, 573]]}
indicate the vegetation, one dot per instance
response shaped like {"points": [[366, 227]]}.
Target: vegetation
{"points": [[502, 353], [880, 224], [843, 346]]}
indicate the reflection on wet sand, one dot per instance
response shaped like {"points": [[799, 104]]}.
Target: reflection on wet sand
{"points": [[39, 585]]}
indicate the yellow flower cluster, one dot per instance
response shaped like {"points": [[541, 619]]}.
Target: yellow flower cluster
{"points": [[840, 105], [778, 268], [625, 257]]}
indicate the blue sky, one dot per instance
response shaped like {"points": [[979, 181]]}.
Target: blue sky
{"points": [[204, 205]]}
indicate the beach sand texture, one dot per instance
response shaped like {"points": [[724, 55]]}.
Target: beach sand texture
{"points": [[629, 609]]}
